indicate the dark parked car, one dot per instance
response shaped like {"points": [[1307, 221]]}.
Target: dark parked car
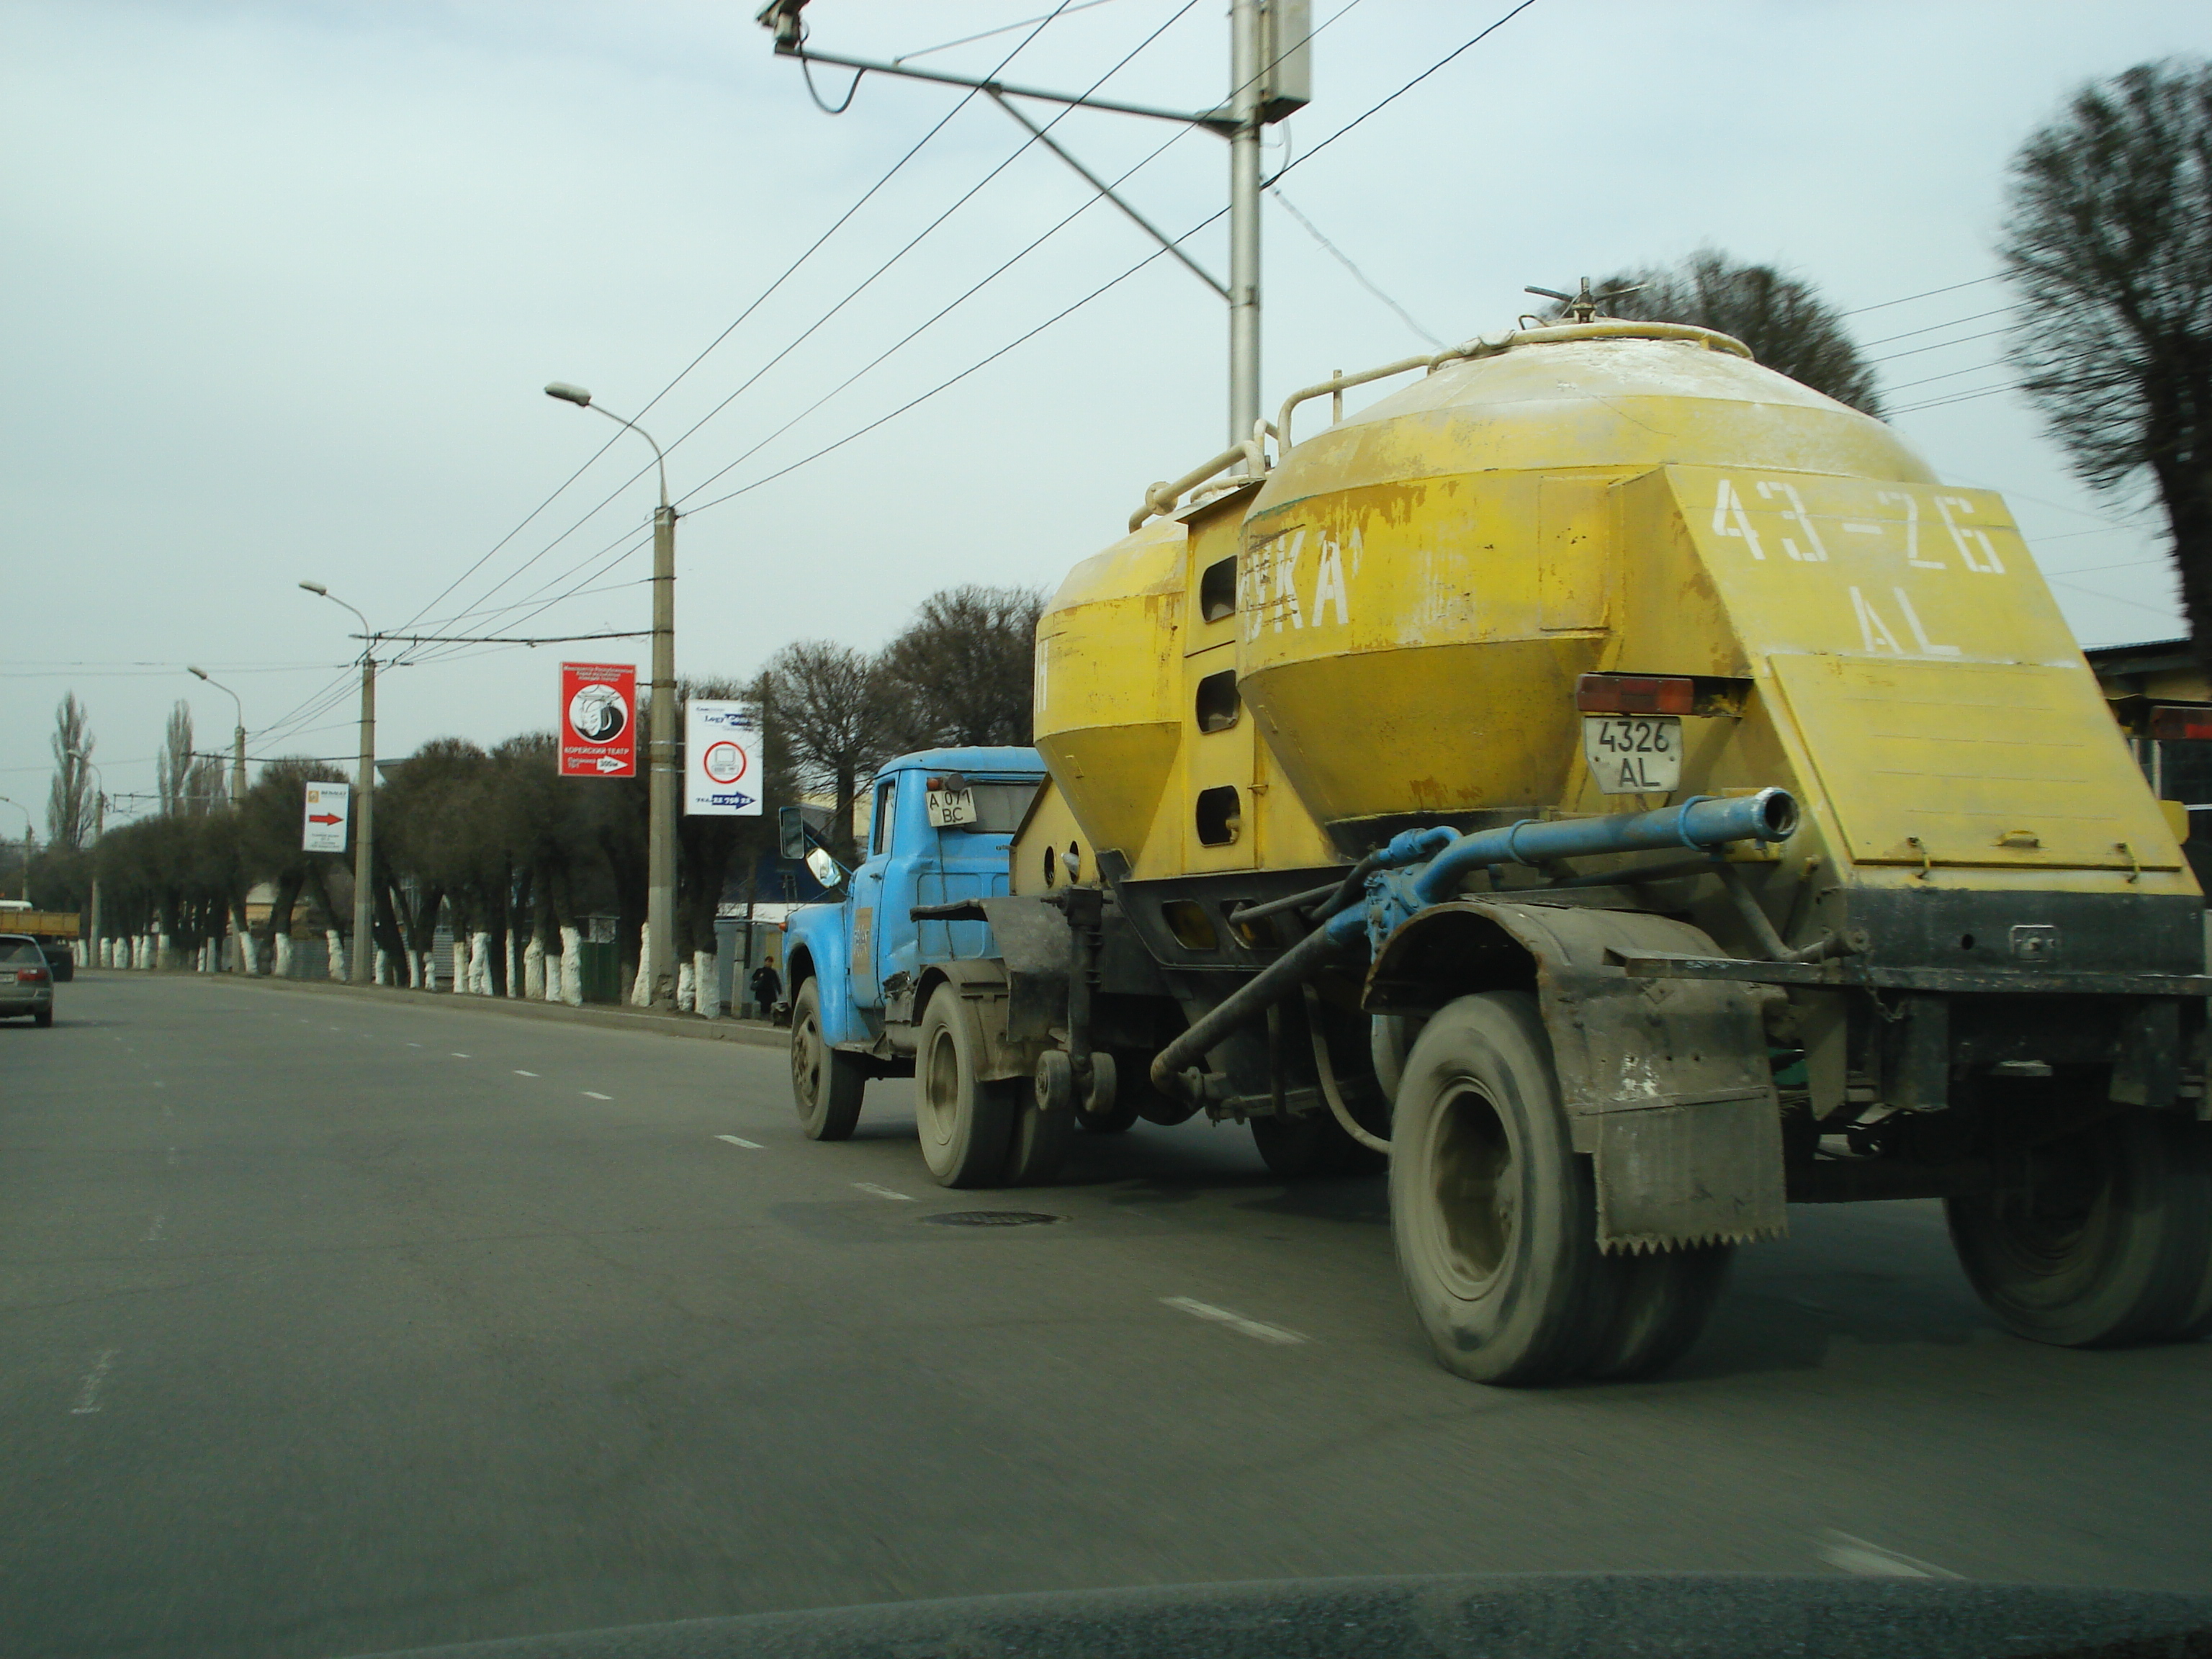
{"points": [[26, 981]]}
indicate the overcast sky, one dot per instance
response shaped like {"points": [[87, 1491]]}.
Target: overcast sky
{"points": [[282, 283]]}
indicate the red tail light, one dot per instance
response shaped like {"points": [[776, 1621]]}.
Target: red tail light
{"points": [[1634, 693], [30, 976], [2181, 724]]}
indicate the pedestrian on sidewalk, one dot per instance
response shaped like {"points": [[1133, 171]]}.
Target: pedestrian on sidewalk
{"points": [[767, 991]]}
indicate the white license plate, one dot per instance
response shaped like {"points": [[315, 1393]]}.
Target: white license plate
{"points": [[1634, 754], [951, 808]]}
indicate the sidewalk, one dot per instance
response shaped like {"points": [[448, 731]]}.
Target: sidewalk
{"points": [[757, 1033]]}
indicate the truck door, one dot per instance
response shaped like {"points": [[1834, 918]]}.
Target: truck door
{"points": [[869, 923]]}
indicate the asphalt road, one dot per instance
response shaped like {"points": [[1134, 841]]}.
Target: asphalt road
{"points": [[335, 1325]]}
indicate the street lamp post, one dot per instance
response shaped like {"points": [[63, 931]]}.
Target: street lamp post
{"points": [[361, 970], [237, 739], [660, 751], [237, 801]]}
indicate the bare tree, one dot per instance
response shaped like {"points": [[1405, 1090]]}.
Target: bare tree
{"points": [[69, 804], [962, 672], [2108, 236], [172, 765], [829, 703], [1785, 322]]}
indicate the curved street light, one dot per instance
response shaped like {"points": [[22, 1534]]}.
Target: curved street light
{"points": [[660, 748], [361, 970], [237, 738]]}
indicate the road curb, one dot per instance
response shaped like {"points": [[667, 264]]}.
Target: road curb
{"points": [[752, 1033]]}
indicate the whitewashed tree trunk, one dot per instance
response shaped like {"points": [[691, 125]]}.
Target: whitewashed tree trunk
{"points": [[514, 986], [685, 981], [707, 983], [284, 965], [460, 966], [337, 954], [533, 972], [641, 990], [572, 968], [384, 974], [480, 964], [430, 969]]}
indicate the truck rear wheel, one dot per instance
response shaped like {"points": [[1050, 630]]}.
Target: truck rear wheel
{"points": [[1661, 1302], [825, 1085], [966, 1124], [2111, 1244], [1493, 1213]]}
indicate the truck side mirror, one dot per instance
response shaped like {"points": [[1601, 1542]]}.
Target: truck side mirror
{"points": [[825, 870], [791, 833]]}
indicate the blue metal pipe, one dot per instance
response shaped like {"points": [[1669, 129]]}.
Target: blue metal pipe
{"points": [[1701, 821]]}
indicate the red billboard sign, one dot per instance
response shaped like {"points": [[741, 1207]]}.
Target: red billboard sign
{"points": [[598, 719]]}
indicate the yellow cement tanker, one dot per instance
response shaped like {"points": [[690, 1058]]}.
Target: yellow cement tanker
{"points": [[1629, 787]]}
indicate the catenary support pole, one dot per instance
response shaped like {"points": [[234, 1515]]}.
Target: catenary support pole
{"points": [[362, 967], [1244, 93], [660, 861]]}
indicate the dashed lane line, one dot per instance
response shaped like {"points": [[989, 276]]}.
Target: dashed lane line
{"points": [[883, 1192], [593, 1094], [88, 1398], [1849, 1554], [519, 1072], [458, 1056], [1236, 1322], [739, 1141]]}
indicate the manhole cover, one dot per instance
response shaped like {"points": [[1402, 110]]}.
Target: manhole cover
{"points": [[993, 1219]]}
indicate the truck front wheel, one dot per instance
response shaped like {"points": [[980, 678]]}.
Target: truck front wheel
{"points": [[825, 1085], [966, 1124], [2111, 1244], [1493, 1213]]}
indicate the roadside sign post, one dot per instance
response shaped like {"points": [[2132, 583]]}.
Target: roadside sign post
{"points": [[598, 719], [329, 809], [721, 759]]}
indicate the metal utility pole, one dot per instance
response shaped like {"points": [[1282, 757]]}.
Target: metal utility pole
{"points": [[237, 740], [362, 969], [1245, 79], [1270, 76], [661, 733]]}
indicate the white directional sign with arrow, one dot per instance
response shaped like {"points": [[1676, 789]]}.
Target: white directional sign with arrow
{"points": [[328, 805]]}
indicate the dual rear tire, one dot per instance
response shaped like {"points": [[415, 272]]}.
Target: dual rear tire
{"points": [[2112, 1244], [1495, 1217]]}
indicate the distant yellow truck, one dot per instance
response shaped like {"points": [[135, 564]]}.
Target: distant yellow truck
{"points": [[56, 931]]}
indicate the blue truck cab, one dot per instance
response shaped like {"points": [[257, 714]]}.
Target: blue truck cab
{"points": [[859, 967]]}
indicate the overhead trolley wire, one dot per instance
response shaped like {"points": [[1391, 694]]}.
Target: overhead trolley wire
{"points": [[759, 301], [1103, 288], [869, 281]]}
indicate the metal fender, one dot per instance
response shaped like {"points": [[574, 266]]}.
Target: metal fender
{"points": [[822, 936], [1666, 1082]]}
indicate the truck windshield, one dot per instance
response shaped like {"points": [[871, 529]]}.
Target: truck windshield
{"points": [[999, 807]]}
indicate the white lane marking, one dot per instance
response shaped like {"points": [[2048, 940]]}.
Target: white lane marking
{"points": [[88, 1399], [154, 1232], [457, 1055], [1849, 1554], [739, 1141], [521, 1072], [414, 1045], [593, 1094], [883, 1192], [1236, 1322], [330, 1028], [1858, 528]]}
